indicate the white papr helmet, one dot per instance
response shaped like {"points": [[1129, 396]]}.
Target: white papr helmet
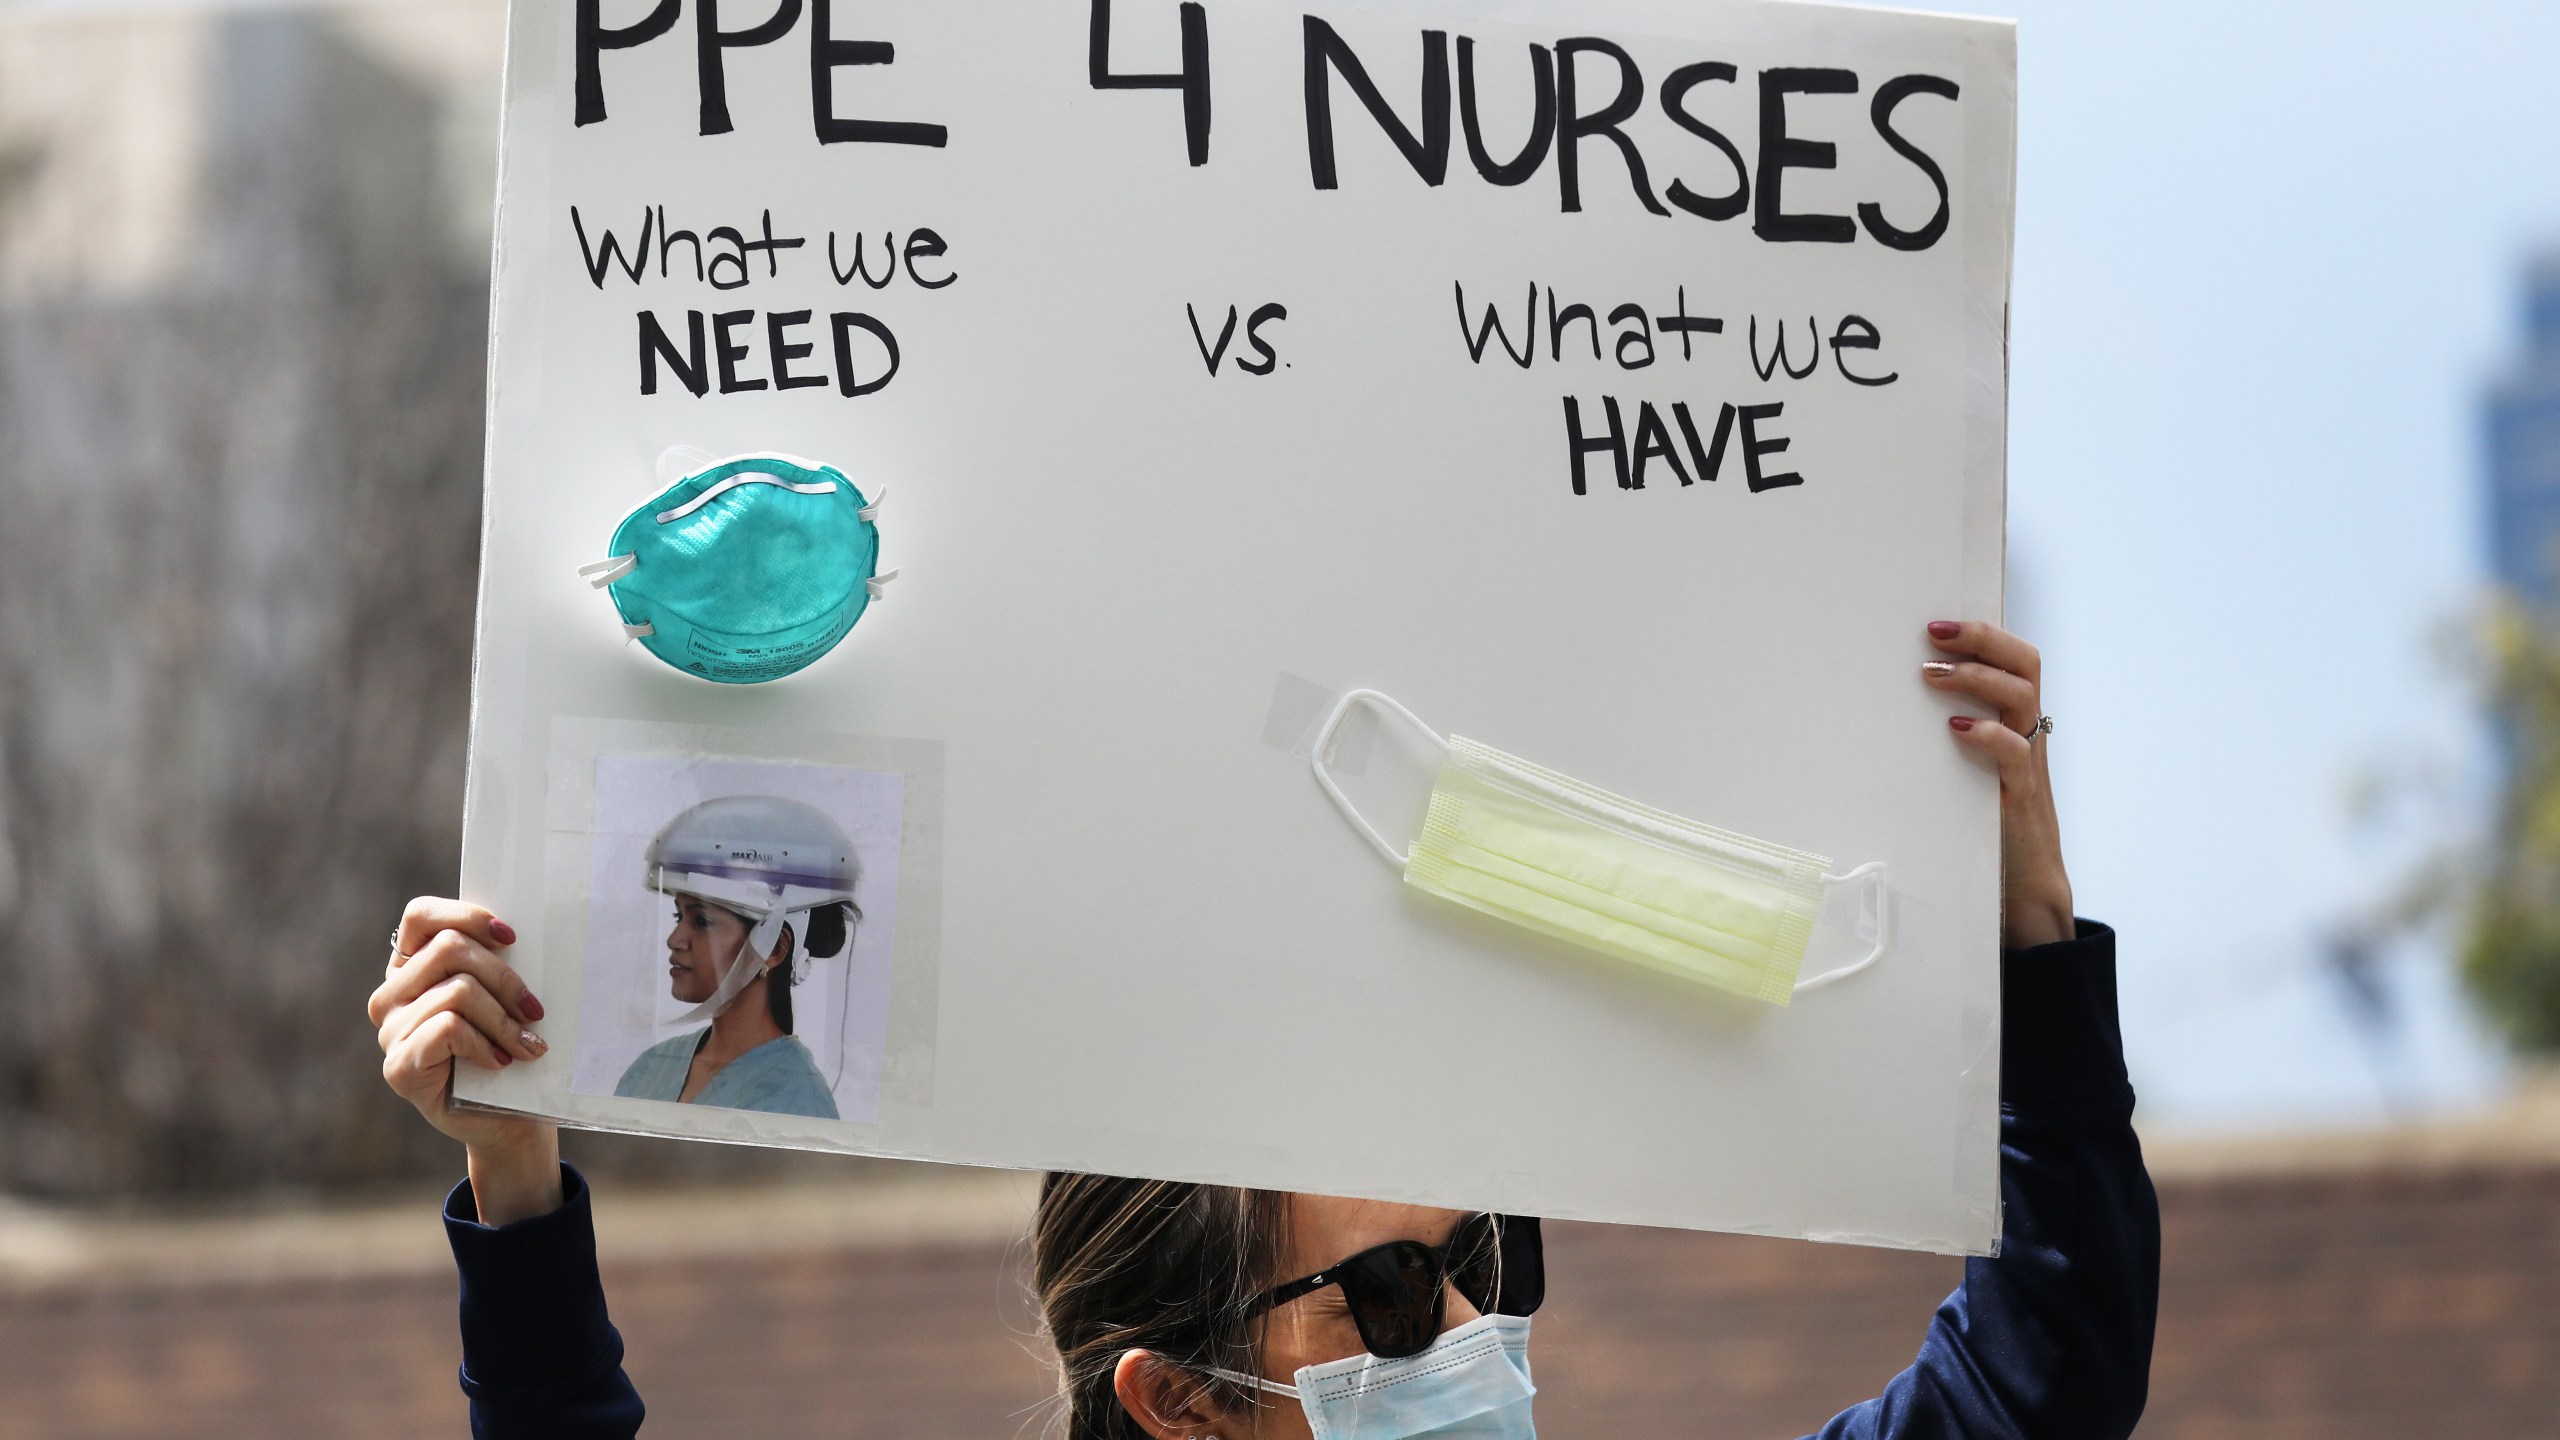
{"points": [[762, 856]]}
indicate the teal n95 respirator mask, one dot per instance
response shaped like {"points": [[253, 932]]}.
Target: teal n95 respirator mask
{"points": [[768, 860], [1568, 860], [744, 570]]}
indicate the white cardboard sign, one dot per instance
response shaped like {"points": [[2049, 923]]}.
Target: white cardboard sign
{"points": [[1621, 384]]}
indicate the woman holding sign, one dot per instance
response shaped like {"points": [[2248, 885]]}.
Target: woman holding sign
{"points": [[1185, 1311]]}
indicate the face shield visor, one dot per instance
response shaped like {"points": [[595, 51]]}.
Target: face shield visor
{"points": [[769, 860]]}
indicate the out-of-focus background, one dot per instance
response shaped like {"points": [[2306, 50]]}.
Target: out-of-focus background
{"points": [[2285, 515]]}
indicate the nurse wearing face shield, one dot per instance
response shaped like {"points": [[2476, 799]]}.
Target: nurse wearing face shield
{"points": [[761, 887], [1206, 1312]]}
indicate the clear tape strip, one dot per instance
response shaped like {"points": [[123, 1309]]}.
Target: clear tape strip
{"points": [[1297, 712]]}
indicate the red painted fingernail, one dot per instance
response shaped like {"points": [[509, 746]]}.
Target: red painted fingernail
{"points": [[1961, 722], [505, 932], [1945, 629], [531, 1005], [505, 1059]]}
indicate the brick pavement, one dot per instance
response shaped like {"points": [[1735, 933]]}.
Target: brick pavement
{"points": [[2340, 1307]]}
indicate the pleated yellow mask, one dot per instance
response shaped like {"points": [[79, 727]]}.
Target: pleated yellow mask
{"points": [[1551, 854]]}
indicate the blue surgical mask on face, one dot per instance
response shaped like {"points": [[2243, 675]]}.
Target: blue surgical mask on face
{"points": [[746, 569], [1470, 1384]]}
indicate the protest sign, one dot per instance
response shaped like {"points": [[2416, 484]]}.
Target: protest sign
{"points": [[1621, 385]]}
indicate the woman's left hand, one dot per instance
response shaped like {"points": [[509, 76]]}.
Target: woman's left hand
{"points": [[2005, 674]]}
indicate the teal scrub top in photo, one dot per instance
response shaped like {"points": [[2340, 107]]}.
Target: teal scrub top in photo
{"points": [[778, 1077]]}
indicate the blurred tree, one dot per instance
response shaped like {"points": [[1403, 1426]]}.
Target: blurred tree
{"points": [[2511, 914], [239, 531], [236, 581]]}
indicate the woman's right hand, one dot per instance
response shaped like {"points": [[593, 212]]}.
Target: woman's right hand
{"points": [[447, 998]]}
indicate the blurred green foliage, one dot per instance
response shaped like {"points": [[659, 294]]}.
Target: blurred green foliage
{"points": [[2510, 940]]}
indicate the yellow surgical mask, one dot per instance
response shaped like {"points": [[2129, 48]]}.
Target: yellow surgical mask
{"points": [[1551, 854]]}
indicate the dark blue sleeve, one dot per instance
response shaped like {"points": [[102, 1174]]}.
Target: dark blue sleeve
{"points": [[539, 1358], [2052, 1338]]}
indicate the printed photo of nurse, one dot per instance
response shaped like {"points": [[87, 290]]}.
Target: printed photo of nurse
{"points": [[739, 920]]}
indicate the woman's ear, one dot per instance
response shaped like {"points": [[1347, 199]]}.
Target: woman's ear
{"points": [[1168, 1401], [782, 950]]}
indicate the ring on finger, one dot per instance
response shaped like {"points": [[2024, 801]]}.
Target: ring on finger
{"points": [[396, 952], [2043, 726]]}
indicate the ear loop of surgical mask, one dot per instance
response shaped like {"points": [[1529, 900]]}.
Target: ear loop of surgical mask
{"points": [[1872, 871], [1250, 1382]]}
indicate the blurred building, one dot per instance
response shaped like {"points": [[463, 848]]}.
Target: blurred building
{"points": [[2375, 1286], [244, 305], [2524, 450], [242, 326]]}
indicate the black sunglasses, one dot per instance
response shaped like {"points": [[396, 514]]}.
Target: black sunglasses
{"points": [[1398, 1292]]}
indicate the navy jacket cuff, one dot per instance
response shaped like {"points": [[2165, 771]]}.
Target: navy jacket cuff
{"points": [[2061, 1048], [533, 1312]]}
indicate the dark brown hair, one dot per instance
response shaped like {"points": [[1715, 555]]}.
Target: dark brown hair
{"points": [[1152, 1265], [828, 925]]}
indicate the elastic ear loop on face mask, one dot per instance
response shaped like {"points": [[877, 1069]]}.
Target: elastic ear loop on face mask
{"points": [[1250, 1382], [1872, 871], [1323, 746]]}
